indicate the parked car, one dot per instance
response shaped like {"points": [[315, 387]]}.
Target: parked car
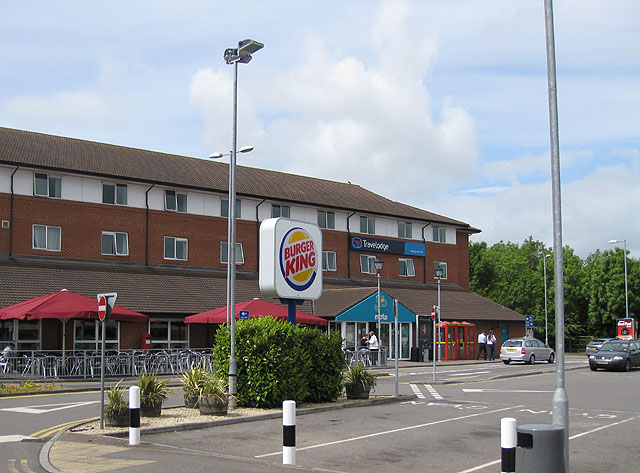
{"points": [[616, 354], [526, 349], [595, 344]]}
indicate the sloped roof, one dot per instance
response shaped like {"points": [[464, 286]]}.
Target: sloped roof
{"points": [[24, 148]]}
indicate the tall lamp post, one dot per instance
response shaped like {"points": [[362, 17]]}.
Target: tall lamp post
{"points": [[239, 55], [546, 336], [626, 290], [378, 263], [439, 272]]}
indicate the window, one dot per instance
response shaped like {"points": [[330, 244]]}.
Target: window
{"points": [[439, 264], [440, 234], [404, 229], [166, 334], [367, 264], [46, 237], [224, 253], [7, 329], [87, 335], [175, 248], [114, 194], [175, 201], [406, 268], [224, 208], [29, 335], [329, 261], [280, 211], [367, 225], [47, 186], [115, 243], [326, 219]]}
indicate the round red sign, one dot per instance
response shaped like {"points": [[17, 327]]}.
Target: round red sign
{"points": [[102, 308]]}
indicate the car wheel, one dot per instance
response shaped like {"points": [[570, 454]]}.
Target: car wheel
{"points": [[506, 362], [627, 365], [551, 358], [593, 367], [532, 359]]}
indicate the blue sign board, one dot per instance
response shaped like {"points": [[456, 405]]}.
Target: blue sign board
{"points": [[528, 321], [382, 245], [367, 310], [244, 315]]}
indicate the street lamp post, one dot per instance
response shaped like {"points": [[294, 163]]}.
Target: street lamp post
{"points": [[241, 54], [546, 336], [438, 276], [378, 263], [626, 290]]}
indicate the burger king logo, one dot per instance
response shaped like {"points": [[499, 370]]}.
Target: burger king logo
{"points": [[298, 259]]}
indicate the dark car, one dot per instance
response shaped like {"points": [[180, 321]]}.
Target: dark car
{"points": [[595, 344], [616, 354]]}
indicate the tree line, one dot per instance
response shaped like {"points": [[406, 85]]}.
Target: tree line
{"points": [[594, 288]]}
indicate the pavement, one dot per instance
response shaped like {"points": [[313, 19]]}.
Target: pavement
{"points": [[72, 452]]}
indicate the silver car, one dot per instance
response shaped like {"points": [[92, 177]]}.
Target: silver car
{"points": [[528, 350]]}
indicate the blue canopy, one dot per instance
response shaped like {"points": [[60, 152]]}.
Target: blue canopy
{"points": [[367, 309]]}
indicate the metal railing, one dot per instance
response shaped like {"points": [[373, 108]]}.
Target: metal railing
{"points": [[87, 364], [366, 356]]}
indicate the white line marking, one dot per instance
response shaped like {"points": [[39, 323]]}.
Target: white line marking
{"points": [[15, 438], [474, 373], [401, 429], [433, 392], [41, 409], [503, 391], [416, 391]]}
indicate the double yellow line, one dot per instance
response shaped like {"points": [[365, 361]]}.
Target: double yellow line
{"points": [[48, 432]]}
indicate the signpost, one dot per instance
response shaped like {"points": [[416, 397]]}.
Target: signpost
{"points": [[105, 306], [244, 315]]}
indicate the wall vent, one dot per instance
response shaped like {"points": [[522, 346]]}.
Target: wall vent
{"points": [[5, 224]]}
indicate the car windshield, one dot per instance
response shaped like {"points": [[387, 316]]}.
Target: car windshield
{"points": [[615, 346], [513, 343]]}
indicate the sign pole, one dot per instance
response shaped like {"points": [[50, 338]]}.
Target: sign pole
{"points": [[105, 306], [433, 351], [104, 331]]}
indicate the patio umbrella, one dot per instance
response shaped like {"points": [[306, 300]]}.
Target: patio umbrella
{"points": [[256, 308]]}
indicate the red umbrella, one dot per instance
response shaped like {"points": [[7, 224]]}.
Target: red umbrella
{"points": [[65, 305], [256, 308]]}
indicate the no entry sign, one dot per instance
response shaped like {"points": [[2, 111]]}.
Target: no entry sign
{"points": [[105, 305], [102, 308]]}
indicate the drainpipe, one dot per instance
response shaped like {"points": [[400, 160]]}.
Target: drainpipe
{"points": [[11, 222], [349, 245], [258, 234], [425, 252], [146, 243]]}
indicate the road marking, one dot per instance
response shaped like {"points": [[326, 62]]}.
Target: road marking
{"points": [[14, 438], [416, 391], [52, 407], [56, 428], [433, 392], [503, 391], [477, 373], [393, 431]]}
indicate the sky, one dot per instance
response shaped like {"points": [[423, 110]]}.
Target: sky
{"points": [[442, 105]]}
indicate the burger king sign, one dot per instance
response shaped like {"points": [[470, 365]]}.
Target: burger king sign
{"points": [[290, 259]]}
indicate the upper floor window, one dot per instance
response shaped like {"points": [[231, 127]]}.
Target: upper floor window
{"points": [[114, 194], [175, 248], [368, 225], [329, 261], [406, 267], [47, 186], [280, 211], [224, 253], [115, 243], [443, 266], [440, 234], [224, 208], [404, 229], [367, 264], [46, 237], [175, 201], [326, 219]]}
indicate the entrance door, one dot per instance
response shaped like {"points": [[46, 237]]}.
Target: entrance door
{"points": [[504, 335]]}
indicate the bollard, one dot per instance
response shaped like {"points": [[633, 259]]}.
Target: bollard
{"points": [[540, 449], [134, 415], [289, 433], [508, 442]]}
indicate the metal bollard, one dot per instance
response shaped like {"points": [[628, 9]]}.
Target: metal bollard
{"points": [[508, 442], [134, 415], [289, 433], [540, 449]]}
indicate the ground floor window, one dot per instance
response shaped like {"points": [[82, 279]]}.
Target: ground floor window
{"points": [[352, 332], [28, 334], [87, 335], [167, 334]]}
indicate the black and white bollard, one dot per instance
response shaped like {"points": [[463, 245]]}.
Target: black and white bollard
{"points": [[289, 432], [134, 415], [508, 443]]}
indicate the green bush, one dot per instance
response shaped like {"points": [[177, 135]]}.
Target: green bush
{"points": [[279, 361]]}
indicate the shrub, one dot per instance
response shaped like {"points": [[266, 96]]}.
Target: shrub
{"points": [[327, 363], [152, 389], [116, 404]]}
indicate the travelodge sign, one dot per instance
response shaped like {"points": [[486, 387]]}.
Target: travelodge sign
{"points": [[290, 259]]}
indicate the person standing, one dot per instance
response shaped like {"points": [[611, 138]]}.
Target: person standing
{"points": [[482, 345], [491, 344], [374, 346]]}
